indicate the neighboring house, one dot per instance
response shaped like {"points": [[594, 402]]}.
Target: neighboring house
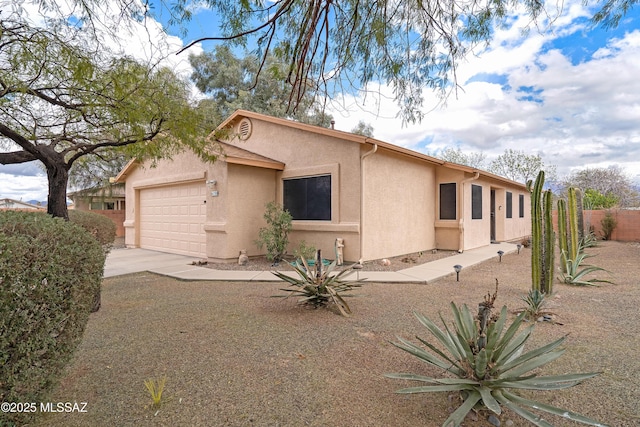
{"points": [[108, 201], [382, 199], [17, 204]]}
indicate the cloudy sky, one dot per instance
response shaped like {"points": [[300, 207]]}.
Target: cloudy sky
{"points": [[570, 94]]}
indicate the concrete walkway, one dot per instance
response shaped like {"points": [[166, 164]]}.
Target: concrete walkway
{"points": [[126, 261]]}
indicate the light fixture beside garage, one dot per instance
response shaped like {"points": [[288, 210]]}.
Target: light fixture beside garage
{"points": [[211, 185]]}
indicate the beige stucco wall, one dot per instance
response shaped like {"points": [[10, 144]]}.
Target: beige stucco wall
{"points": [[248, 189], [447, 232], [311, 154], [399, 205], [516, 228], [477, 232]]}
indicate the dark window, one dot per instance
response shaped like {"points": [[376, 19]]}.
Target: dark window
{"points": [[521, 207], [448, 201], [308, 198], [476, 202], [509, 205]]}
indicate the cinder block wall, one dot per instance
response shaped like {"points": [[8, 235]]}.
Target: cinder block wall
{"points": [[627, 230]]}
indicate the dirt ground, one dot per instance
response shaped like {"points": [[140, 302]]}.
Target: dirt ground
{"points": [[234, 356]]}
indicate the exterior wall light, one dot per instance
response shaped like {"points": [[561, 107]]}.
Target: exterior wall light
{"points": [[211, 185]]}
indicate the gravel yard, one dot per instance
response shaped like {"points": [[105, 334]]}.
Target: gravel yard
{"points": [[234, 356]]}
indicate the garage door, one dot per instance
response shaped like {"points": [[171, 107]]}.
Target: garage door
{"points": [[172, 219]]}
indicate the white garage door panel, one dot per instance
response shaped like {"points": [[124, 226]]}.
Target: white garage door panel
{"points": [[172, 219]]}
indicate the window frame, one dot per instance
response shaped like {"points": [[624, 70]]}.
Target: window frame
{"points": [[326, 196], [476, 201], [332, 169], [444, 212], [521, 207], [509, 203]]}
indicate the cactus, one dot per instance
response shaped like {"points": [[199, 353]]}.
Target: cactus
{"points": [[574, 236], [563, 238], [542, 238], [546, 286], [580, 215], [536, 232]]}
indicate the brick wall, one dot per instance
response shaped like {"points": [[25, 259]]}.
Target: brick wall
{"points": [[627, 230]]}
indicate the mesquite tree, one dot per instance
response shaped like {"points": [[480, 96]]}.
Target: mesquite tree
{"points": [[61, 100]]}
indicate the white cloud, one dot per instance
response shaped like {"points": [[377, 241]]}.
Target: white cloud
{"points": [[573, 115], [23, 187]]}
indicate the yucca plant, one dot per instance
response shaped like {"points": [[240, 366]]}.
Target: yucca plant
{"points": [[318, 286], [573, 274], [488, 365]]}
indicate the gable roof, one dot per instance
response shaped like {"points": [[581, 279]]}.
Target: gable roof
{"points": [[227, 152], [240, 156], [112, 190], [236, 155], [239, 114]]}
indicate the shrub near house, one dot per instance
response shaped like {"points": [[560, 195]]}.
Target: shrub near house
{"points": [[50, 274]]}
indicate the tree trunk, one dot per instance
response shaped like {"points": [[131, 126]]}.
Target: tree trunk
{"points": [[58, 176]]}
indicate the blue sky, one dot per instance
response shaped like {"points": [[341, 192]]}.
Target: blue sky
{"points": [[570, 94]]}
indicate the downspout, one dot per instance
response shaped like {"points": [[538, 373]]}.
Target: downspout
{"points": [[362, 157], [461, 213]]}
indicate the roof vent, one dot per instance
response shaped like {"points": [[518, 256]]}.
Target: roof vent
{"points": [[244, 129]]}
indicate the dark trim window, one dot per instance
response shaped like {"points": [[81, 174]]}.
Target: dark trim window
{"points": [[308, 198], [509, 204], [521, 206], [448, 201], [476, 201]]}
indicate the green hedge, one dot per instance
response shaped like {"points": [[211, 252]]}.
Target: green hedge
{"points": [[50, 273]]}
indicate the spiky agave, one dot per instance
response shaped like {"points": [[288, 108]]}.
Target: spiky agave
{"points": [[319, 287], [536, 303], [489, 366], [575, 269]]}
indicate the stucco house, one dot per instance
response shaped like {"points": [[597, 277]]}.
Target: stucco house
{"points": [[382, 199]]}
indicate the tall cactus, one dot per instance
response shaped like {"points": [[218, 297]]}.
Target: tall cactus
{"points": [[536, 233], [546, 286], [580, 215], [574, 235], [563, 238], [542, 238]]}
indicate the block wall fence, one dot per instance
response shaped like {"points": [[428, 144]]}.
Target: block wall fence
{"points": [[627, 230]]}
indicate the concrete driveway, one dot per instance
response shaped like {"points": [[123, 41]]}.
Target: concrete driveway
{"points": [[126, 261]]}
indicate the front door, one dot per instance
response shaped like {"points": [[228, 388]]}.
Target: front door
{"points": [[493, 216]]}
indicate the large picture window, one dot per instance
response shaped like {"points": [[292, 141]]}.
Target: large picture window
{"points": [[476, 202], [308, 198], [509, 204], [448, 201]]}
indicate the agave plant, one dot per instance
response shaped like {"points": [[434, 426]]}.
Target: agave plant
{"points": [[536, 303], [319, 287], [573, 275], [489, 366]]}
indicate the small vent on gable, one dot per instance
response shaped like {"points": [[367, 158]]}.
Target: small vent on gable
{"points": [[244, 129]]}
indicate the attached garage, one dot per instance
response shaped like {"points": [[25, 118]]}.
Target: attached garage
{"points": [[172, 217]]}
